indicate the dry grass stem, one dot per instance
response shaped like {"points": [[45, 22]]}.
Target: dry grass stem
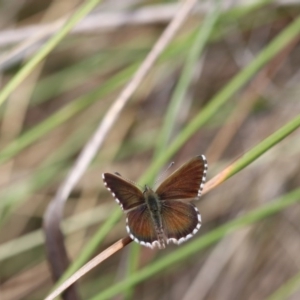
{"points": [[119, 245]]}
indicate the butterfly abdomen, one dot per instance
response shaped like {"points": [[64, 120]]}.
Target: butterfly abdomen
{"points": [[154, 206]]}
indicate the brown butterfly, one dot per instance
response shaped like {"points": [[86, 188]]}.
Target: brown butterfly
{"points": [[155, 218]]}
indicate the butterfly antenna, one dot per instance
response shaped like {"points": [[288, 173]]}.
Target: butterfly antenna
{"points": [[163, 173], [129, 180]]}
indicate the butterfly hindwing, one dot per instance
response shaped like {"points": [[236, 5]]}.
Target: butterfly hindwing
{"points": [[185, 183], [140, 227], [180, 220], [125, 193]]}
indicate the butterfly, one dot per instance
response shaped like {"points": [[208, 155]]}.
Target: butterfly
{"points": [[156, 218]]}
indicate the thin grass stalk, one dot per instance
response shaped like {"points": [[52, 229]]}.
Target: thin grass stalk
{"points": [[84, 9], [185, 79], [287, 289], [270, 51]]}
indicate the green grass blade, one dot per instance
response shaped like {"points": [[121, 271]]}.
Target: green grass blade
{"points": [[36, 238], [12, 197], [269, 52], [200, 243], [177, 99], [63, 115], [265, 145], [286, 289], [80, 72], [47, 48], [48, 170]]}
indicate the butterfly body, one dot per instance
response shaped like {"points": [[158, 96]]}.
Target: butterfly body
{"points": [[155, 218], [152, 200], [154, 206]]}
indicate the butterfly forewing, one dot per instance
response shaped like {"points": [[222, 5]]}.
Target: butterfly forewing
{"points": [[181, 220], [140, 227], [125, 193], [185, 183]]}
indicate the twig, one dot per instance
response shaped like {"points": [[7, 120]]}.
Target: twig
{"points": [[89, 266]]}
